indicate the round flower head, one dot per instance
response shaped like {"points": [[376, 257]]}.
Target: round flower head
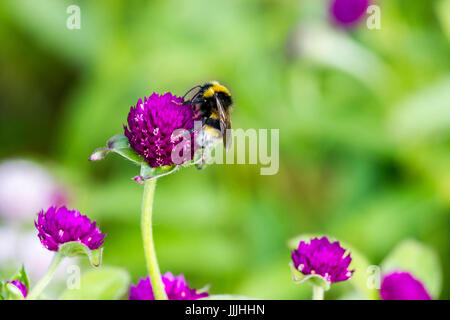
{"points": [[322, 258], [402, 286], [348, 12], [60, 225], [151, 125], [21, 286], [176, 289]]}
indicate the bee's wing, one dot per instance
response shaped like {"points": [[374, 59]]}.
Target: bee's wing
{"points": [[225, 125]]}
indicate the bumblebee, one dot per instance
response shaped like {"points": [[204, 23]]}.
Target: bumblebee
{"points": [[213, 101]]}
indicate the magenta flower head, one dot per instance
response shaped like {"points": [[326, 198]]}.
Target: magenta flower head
{"points": [[324, 258], [348, 12], [57, 226], [151, 124], [21, 286], [176, 289], [402, 286]]}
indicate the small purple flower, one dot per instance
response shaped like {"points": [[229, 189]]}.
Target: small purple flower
{"points": [[176, 289], [347, 12], [21, 286], [60, 225], [151, 124], [322, 258], [402, 286]]}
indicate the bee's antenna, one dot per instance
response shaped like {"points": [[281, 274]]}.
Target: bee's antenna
{"points": [[186, 102]]}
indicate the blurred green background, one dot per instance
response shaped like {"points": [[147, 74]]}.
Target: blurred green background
{"points": [[364, 119]]}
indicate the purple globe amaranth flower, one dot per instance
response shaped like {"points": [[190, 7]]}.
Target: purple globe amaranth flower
{"points": [[402, 286], [21, 286], [151, 125], [347, 12], [176, 289], [323, 258], [60, 225]]}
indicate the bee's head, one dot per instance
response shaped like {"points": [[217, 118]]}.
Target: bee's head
{"points": [[198, 98], [209, 89]]}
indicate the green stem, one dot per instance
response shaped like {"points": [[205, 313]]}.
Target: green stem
{"points": [[40, 286], [147, 236], [317, 292]]}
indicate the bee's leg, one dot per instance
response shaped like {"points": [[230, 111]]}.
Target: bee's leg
{"points": [[202, 160], [200, 163], [181, 103], [203, 150], [199, 159], [203, 147]]}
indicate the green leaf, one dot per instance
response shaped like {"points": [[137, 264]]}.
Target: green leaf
{"points": [[99, 154], [120, 145], [423, 115], [73, 249], [326, 46], [101, 284], [227, 297], [312, 279], [442, 10], [148, 172], [359, 263], [419, 260], [22, 276]]}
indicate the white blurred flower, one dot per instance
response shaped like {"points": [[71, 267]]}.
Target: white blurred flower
{"points": [[24, 248], [25, 188]]}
